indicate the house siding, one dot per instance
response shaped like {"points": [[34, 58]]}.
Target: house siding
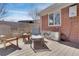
{"points": [[70, 25]]}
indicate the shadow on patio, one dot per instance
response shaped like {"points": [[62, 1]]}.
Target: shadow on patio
{"points": [[9, 49], [41, 47], [74, 45]]}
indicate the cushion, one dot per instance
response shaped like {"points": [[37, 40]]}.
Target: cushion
{"points": [[36, 36]]}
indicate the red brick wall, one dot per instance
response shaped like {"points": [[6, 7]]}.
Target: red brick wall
{"points": [[45, 26], [70, 25], [45, 22]]}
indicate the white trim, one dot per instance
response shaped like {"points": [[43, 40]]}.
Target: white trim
{"points": [[54, 7], [41, 24], [55, 13], [60, 17]]}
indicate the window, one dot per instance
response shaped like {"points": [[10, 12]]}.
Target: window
{"points": [[51, 19], [54, 19], [57, 19], [73, 11]]}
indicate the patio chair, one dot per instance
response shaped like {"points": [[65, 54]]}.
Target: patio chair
{"points": [[35, 31], [36, 37]]}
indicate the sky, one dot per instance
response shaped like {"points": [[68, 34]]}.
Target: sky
{"points": [[19, 11]]}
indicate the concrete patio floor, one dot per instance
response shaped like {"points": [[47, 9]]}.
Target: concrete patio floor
{"points": [[56, 49]]}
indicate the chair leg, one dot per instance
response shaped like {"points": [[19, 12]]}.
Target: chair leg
{"points": [[17, 43], [0, 41], [4, 45]]}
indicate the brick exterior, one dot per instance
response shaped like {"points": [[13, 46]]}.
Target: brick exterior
{"points": [[45, 23], [69, 25]]}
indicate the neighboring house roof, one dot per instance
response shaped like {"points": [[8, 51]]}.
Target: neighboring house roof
{"points": [[54, 7], [26, 21]]}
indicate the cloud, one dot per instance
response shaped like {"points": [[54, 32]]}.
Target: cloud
{"points": [[17, 18], [17, 14]]}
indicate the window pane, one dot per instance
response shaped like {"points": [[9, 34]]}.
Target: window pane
{"points": [[51, 21], [57, 19]]}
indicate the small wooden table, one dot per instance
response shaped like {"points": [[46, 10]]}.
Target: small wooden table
{"points": [[24, 36]]}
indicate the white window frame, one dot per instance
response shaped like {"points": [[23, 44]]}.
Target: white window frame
{"points": [[54, 19]]}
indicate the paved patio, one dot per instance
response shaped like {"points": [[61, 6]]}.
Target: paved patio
{"points": [[56, 49]]}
